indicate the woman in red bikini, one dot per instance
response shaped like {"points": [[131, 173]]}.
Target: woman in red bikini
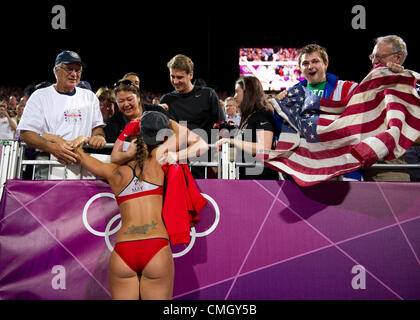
{"points": [[141, 265]]}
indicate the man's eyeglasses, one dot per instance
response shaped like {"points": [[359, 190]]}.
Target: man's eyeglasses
{"points": [[381, 56], [124, 82], [70, 70]]}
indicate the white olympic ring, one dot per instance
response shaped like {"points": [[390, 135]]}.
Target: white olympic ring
{"points": [[109, 232], [84, 215], [195, 234]]}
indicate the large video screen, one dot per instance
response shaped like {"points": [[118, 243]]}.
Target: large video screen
{"points": [[277, 68]]}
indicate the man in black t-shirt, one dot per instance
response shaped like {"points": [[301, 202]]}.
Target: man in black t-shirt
{"points": [[196, 106]]}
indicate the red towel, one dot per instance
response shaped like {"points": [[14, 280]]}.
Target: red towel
{"points": [[182, 203]]}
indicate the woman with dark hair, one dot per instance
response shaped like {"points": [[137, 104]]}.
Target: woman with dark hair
{"points": [[129, 104], [257, 130], [141, 265]]}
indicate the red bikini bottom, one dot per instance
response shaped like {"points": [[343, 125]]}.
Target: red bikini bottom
{"points": [[137, 254]]}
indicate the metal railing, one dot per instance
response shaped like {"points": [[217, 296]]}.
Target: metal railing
{"points": [[9, 156], [12, 161]]}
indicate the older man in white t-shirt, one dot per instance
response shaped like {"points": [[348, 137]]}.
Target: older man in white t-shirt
{"points": [[64, 110]]}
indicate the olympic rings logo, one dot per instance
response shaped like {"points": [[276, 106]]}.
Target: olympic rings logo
{"points": [[108, 231], [195, 234]]}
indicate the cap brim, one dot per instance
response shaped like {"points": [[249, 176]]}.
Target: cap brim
{"points": [[68, 62]]}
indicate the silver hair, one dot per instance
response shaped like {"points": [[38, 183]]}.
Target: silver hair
{"points": [[398, 45], [55, 74]]}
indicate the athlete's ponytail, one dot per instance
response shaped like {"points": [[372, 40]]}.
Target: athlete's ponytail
{"points": [[141, 154]]}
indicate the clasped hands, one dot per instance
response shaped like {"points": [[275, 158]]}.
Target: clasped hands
{"points": [[64, 150]]}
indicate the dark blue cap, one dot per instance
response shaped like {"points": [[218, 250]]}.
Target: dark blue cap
{"points": [[68, 56], [85, 85]]}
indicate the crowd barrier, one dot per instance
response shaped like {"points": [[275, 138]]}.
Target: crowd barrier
{"points": [[12, 161], [255, 240]]}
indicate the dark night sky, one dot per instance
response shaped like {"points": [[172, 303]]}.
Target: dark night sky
{"points": [[116, 37]]}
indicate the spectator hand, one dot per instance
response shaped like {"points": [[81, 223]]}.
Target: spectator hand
{"points": [[64, 153], [164, 106], [131, 151], [281, 95], [395, 67], [97, 142], [219, 143], [79, 141], [169, 157]]}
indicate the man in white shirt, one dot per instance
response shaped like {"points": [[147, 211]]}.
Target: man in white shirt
{"points": [[65, 110]]}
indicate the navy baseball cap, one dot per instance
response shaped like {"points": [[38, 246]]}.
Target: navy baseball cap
{"points": [[150, 124], [68, 56], [85, 85]]}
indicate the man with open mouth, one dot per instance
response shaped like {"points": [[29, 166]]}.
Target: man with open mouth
{"points": [[313, 62]]}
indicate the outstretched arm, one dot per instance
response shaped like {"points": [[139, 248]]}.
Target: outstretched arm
{"points": [[264, 142], [81, 140], [97, 167], [53, 144], [183, 145]]}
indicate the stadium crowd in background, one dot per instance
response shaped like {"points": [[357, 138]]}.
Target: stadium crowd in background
{"points": [[13, 99], [269, 54]]}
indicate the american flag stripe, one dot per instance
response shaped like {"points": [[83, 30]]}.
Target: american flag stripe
{"points": [[321, 138], [321, 154], [353, 129], [382, 79], [327, 167], [372, 149], [371, 108], [357, 95], [308, 178], [360, 105]]}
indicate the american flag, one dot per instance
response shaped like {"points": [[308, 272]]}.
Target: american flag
{"points": [[321, 139]]}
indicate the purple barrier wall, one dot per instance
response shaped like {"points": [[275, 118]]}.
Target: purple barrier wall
{"points": [[256, 240]]}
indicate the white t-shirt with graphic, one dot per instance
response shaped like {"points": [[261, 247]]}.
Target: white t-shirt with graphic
{"points": [[66, 115]]}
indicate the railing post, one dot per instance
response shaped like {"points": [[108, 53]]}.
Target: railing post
{"points": [[225, 160], [4, 163], [20, 154], [13, 160], [8, 161]]}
